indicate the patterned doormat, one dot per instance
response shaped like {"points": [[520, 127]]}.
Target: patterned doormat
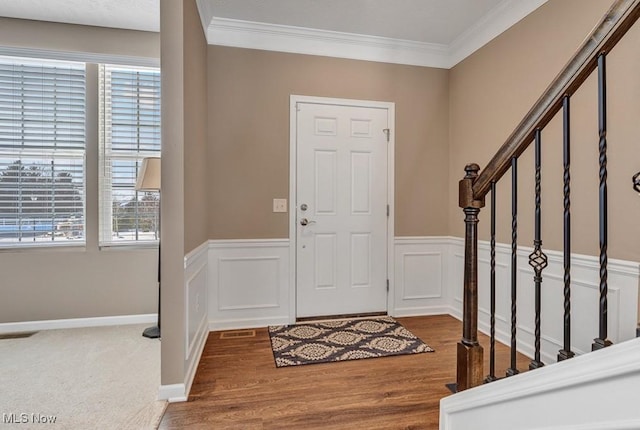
{"points": [[342, 340]]}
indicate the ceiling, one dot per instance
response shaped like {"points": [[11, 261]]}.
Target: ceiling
{"points": [[436, 33], [431, 21]]}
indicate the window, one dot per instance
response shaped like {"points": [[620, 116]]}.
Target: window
{"points": [[42, 150], [129, 131]]}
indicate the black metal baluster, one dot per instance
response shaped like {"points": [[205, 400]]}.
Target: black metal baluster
{"points": [[513, 369], [602, 341], [492, 352], [537, 259], [566, 352]]}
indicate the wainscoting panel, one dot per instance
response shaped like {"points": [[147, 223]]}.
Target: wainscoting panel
{"points": [[420, 285], [196, 277], [622, 298], [249, 286], [249, 283]]}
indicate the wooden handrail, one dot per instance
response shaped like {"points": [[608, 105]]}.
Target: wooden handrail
{"points": [[620, 17]]}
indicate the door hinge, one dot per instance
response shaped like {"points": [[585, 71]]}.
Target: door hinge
{"points": [[387, 131], [388, 211], [387, 285]]}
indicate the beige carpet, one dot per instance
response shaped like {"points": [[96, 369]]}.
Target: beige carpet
{"points": [[89, 378]]}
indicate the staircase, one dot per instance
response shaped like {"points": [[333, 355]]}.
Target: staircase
{"points": [[477, 185]]}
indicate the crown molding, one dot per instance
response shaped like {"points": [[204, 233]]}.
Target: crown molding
{"points": [[205, 10], [498, 20], [299, 40]]}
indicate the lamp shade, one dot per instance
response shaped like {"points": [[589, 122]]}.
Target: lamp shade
{"points": [[149, 176]]}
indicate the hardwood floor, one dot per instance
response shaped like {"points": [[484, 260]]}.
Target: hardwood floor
{"points": [[237, 386]]}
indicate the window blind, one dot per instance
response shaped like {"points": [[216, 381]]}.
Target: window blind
{"points": [[130, 131], [42, 149]]}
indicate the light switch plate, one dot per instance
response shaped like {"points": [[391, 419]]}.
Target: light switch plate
{"points": [[279, 205]]}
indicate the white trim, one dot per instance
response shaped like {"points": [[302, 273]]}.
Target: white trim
{"points": [[293, 205], [424, 240], [495, 22], [193, 367], [623, 297], [242, 323], [248, 243], [79, 56], [205, 11], [18, 327], [431, 293], [172, 393], [391, 219], [582, 381], [237, 296], [202, 267], [196, 281], [200, 251], [421, 311], [300, 40], [390, 107]]}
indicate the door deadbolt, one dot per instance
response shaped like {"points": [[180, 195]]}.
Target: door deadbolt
{"points": [[304, 207]]}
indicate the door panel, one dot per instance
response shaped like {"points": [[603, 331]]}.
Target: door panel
{"points": [[341, 265]]}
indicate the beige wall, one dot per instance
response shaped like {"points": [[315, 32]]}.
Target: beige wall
{"points": [[173, 311], [195, 132], [58, 284], [52, 36], [79, 282], [184, 206], [492, 90], [249, 135]]}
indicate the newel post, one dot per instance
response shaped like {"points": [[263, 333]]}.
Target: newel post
{"points": [[470, 359]]}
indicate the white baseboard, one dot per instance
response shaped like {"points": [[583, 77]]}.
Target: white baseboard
{"points": [[203, 334], [173, 393], [18, 327], [236, 324], [422, 311]]}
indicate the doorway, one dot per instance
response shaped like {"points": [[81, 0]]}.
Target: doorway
{"points": [[341, 205]]}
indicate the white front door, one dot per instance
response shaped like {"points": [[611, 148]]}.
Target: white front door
{"points": [[341, 209]]}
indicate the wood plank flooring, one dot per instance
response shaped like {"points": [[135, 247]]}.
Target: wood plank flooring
{"points": [[237, 386]]}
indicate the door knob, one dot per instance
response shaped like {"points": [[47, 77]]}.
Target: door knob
{"points": [[305, 221]]}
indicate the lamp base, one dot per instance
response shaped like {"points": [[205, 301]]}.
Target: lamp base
{"points": [[152, 332]]}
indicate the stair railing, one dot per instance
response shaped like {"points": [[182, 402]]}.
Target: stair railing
{"points": [[474, 187]]}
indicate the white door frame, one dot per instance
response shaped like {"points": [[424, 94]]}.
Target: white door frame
{"points": [[293, 145]]}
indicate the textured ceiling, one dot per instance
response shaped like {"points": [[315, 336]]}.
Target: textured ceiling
{"points": [[434, 33], [430, 21], [131, 14]]}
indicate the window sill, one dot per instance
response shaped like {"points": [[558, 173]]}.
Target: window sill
{"points": [[128, 246]]}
